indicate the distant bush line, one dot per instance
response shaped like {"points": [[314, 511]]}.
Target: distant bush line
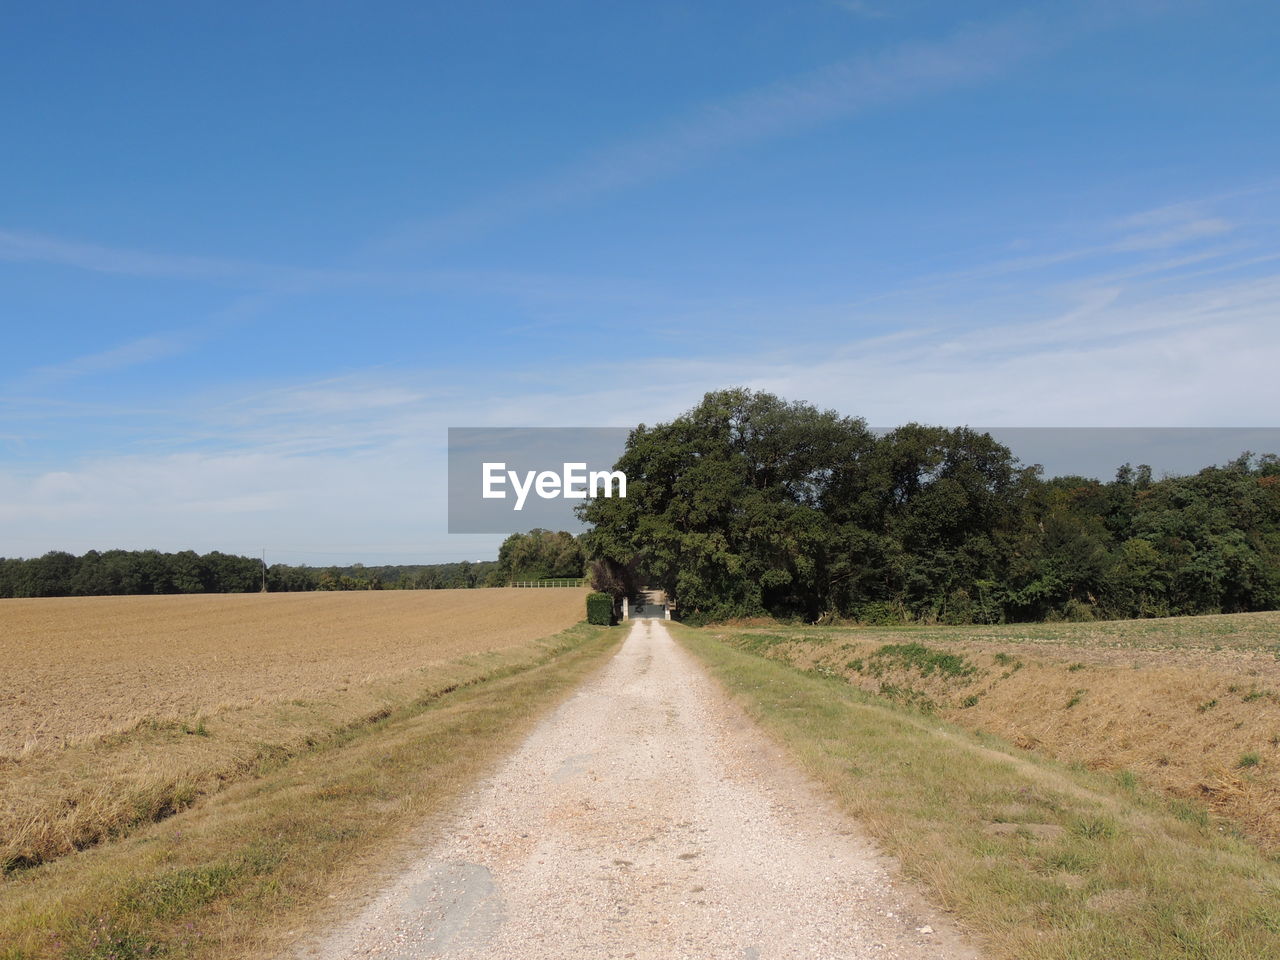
{"points": [[750, 505], [120, 572]]}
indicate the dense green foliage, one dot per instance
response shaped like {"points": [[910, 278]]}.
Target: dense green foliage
{"points": [[59, 574], [750, 505], [537, 555], [599, 609]]}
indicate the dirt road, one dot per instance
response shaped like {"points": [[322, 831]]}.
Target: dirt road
{"points": [[645, 818]]}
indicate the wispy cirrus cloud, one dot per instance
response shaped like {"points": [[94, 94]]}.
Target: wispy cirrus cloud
{"points": [[274, 280], [1159, 245], [122, 356], [1170, 226], [834, 92], [841, 90], [1176, 232], [139, 351], [24, 247]]}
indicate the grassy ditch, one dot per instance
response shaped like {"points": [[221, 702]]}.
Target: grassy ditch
{"points": [[1038, 858], [236, 874], [1188, 706]]}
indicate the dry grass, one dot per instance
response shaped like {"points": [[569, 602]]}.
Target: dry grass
{"points": [[1190, 705], [246, 873], [1039, 859], [118, 711]]}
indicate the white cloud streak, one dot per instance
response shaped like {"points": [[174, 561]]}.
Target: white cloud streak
{"points": [[37, 248], [834, 92], [140, 351]]}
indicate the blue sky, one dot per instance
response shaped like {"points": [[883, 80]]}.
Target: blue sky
{"points": [[256, 258]]}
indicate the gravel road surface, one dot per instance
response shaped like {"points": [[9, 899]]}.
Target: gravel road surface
{"points": [[646, 818]]}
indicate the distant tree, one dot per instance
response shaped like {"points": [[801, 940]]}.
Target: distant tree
{"points": [[538, 555]]}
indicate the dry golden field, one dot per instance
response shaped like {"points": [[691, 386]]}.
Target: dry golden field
{"points": [[119, 710], [1190, 705], [79, 667]]}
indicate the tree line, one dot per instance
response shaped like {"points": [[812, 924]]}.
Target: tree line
{"points": [[536, 555], [750, 505], [117, 572]]}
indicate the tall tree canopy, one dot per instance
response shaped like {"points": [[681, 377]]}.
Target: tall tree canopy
{"points": [[752, 505]]}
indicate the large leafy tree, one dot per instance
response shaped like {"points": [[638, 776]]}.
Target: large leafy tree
{"points": [[749, 504], [726, 505]]}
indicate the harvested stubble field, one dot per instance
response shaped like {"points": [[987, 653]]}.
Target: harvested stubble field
{"points": [[1189, 706], [116, 711]]}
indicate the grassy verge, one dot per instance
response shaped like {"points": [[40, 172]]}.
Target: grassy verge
{"points": [[1040, 860], [235, 875], [1189, 707]]}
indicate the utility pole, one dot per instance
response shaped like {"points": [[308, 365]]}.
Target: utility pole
{"points": [[264, 569]]}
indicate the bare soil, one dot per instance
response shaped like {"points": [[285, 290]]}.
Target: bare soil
{"points": [[115, 711], [76, 668]]}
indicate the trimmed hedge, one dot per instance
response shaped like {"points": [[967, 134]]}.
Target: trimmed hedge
{"points": [[600, 609]]}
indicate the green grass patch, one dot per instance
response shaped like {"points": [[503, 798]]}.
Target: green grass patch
{"points": [[908, 696], [917, 656], [763, 642]]}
